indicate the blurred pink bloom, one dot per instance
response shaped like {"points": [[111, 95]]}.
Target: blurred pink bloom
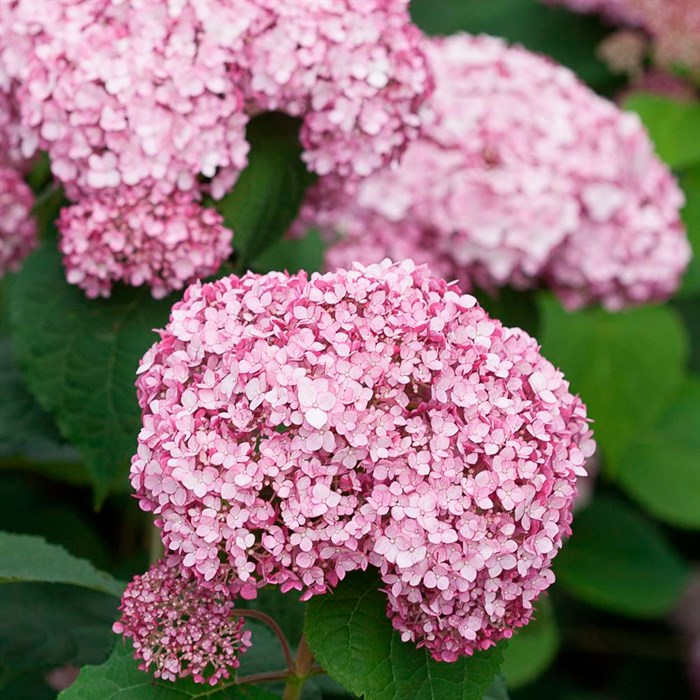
{"points": [[522, 177]]}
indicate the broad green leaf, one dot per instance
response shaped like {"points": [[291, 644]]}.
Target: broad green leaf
{"points": [[267, 195], [690, 182], [48, 625], [620, 561], [26, 558], [673, 126], [353, 640], [661, 469], [293, 254], [532, 648], [527, 22], [79, 357], [22, 422], [119, 678], [627, 367]]}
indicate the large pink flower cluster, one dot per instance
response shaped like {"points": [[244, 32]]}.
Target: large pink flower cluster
{"points": [[17, 227], [524, 176], [296, 429], [674, 25], [180, 628], [125, 93], [139, 236]]}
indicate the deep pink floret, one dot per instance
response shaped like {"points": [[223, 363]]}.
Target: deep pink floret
{"points": [[138, 236], [523, 177], [181, 629], [296, 429]]}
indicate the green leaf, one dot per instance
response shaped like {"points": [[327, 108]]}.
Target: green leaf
{"points": [[26, 687], [527, 22], [353, 640], [293, 254], [618, 560], [79, 357], [119, 678], [47, 625], [661, 469], [22, 422], [267, 195], [673, 127], [627, 367], [30, 558], [532, 648], [690, 183]]}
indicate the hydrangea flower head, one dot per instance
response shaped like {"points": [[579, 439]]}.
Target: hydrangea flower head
{"points": [[17, 226], [524, 176], [123, 93], [139, 236], [296, 429], [180, 629]]}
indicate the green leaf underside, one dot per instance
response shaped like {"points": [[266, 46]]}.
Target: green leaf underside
{"points": [[672, 125], [266, 197], [532, 648], [26, 558], [627, 367], [80, 356], [119, 678], [661, 470], [354, 642], [619, 561]]}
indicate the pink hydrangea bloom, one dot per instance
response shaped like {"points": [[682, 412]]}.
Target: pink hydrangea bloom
{"points": [[181, 629], [123, 93], [674, 25], [138, 236], [524, 176], [296, 429], [17, 226]]}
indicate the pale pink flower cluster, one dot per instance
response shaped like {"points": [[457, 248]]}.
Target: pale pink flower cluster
{"points": [[121, 92], [674, 25], [180, 628], [17, 226], [523, 177], [140, 236], [296, 429]]}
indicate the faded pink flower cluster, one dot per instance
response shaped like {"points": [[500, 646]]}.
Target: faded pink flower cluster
{"points": [[122, 93], [180, 628], [296, 429], [674, 25], [17, 227], [523, 177], [139, 236]]}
